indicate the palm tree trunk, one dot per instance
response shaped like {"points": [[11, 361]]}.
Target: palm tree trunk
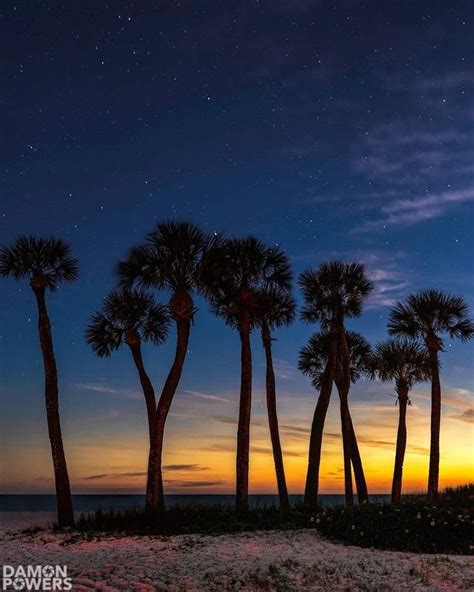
{"points": [[155, 501], [243, 431], [147, 387], [61, 477], [433, 475], [401, 445], [347, 448], [273, 421], [316, 437], [345, 382], [359, 475]]}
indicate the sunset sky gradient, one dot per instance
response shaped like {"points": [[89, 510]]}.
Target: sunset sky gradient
{"points": [[333, 129]]}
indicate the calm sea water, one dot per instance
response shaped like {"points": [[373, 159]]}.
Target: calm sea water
{"points": [[89, 503]]}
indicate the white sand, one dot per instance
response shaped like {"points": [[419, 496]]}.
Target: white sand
{"points": [[283, 561]]}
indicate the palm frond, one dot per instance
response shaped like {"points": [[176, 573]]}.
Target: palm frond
{"points": [[48, 259], [334, 291], [276, 308], [170, 257], [125, 312], [236, 272], [402, 360], [314, 355], [431, 312]]}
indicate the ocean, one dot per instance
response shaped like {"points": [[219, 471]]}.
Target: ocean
{"points": [[91, 502]]}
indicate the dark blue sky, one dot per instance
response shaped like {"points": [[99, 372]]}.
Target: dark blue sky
{"points": [[335, 129]]}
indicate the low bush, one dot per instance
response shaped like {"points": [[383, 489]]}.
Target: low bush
{"points": [[414, 525]]}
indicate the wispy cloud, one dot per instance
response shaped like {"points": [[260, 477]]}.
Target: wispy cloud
{"points": [[187, 484], [411, 211], [114, 475], [98, 387], [284, 370], [467, 415], [201, 395], [193, 467]]}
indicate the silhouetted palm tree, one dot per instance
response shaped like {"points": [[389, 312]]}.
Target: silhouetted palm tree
{"points": [[312, 362], [407, 363], [130, 317], [277, 309], [426, 316], [234, 274], [170, 259], [332, 292], [46, 263]]}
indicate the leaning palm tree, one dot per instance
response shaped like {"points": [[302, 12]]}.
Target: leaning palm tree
{"points": [[234, 274], [332, 292], [46, 263], [277, 309], [130, 317], [170, 259], [312, 362], [426, 316], [407, 363]]}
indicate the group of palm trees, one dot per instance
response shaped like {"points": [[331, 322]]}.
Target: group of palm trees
{"points": [[249, 285]]}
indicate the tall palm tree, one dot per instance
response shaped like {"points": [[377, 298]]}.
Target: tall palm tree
{"points": [[312, 362], [234, 274], [427, 315], [332, 292], [407, 363], [130, 316], [170, 259], [277, 309], [46, 263]]}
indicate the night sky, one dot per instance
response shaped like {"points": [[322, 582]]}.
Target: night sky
{"points": [[333, 129]]}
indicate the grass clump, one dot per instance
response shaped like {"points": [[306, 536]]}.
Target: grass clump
{"points": [[190, 519], [414, 525]]}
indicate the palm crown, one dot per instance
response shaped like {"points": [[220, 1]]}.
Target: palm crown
{"points": [[170, 258], [313, 356], [276, 308], [47, 260], [429, 313], [238, 272], [333, 291], [127, 313], [404, 361]]}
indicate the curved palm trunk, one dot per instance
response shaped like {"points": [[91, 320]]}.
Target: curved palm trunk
{"points": [[401, 445], [316, 437], [359, 475], [273, 421], [155, 501], [61, 477], [345, 381], [147, 387], [433, 475], [243, 430]]}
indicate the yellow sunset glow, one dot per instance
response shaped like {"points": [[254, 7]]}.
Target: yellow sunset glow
{"points": [[200, 448]]}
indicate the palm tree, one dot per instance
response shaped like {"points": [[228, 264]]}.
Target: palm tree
{"points": [[312, 362], [407, 363], [426, 316], [170, 259], [46, 263], [234, 274], [277, 309], [332, 292], [130, 317]]}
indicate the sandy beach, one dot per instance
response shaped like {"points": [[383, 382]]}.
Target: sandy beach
{"points": [[295, 560]]}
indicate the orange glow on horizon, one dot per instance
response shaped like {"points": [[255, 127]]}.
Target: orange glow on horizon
{"points": [[200, 450]]}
